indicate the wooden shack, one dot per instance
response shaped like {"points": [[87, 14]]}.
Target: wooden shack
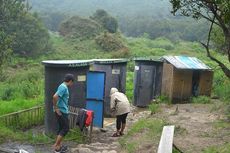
{"points": [[184, 77]]}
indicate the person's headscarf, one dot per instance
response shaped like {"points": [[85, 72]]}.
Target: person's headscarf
{"points": [[113, 90]]}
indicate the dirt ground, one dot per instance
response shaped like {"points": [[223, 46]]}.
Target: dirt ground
{"points": [[198, 126]]}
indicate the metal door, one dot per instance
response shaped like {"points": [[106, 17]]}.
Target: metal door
{"points": [[95, 96], [146, 84]]}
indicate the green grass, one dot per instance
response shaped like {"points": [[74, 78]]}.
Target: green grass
{"points": [[15, 135], [218, 149], [154, 108], [163, 99], [149, 130], [201, 100], [37, 138], [129, 86], [18, 104], [221, 124]]}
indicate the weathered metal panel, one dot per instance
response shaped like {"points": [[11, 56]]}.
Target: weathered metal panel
{"points": [[147, 81], [54, 74], [115, 77], [184, 62]]}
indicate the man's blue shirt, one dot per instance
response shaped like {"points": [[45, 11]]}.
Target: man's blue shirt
{"points": [[63, 98]]}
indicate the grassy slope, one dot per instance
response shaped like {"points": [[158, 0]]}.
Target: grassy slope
{"points": [[23, 80]]}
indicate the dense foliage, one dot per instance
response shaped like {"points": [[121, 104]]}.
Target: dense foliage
{"points": [[107, 21], [81, 28], [52, 20], [109, 42], [135, 17], [20, 31]]}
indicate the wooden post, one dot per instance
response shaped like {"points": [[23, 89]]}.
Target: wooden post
{"points": [[166, 142], [91, 129]]}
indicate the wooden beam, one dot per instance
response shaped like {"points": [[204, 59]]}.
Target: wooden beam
{"points": [[166, 142], [8, 150]]}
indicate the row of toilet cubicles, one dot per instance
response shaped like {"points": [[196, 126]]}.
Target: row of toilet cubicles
{"points": [[95, 78]]}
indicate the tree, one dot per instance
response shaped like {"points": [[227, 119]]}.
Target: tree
{"points": [[107, 21], [217, 12], [217, 38], [52, 20], [5, 48], [10, 10], [21, 32], [31, 38], [80, 28]]}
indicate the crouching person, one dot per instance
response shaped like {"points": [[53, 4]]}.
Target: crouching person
{"points": [[120, 107]]}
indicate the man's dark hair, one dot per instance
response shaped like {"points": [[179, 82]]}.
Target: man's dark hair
{"points": [[68, 77]]}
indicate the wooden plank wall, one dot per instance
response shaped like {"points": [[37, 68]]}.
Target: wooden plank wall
{"points": [[167, 80], [182, 88], [205, 84]]}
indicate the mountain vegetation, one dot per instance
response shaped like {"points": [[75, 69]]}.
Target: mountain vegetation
{"points": [[135, 18]]}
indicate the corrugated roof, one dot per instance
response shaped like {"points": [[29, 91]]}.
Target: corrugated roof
{"points": [[151, 59], [109, 61], [185, 62], [67, 63]]}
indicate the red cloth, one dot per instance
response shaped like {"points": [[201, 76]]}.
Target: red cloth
{"points": [[89, 118]]}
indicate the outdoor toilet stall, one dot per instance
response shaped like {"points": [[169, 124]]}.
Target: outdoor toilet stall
{"points": [[184, 77], [86, 92], [147, 80], [115, 70]]}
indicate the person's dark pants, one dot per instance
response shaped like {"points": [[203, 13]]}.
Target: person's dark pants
{"points": [[63, 124], [121, 119]]}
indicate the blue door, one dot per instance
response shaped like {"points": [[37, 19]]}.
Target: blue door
{"points": [[95, 96]]}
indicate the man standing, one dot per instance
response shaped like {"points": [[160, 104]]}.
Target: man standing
{"points": [[60, 106]]}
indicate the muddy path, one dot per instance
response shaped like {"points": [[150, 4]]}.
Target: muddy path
{"points": [[101, 142]]}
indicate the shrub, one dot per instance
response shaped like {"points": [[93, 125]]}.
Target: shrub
{"points": [[201, 100], [28, 89], [221, 86], [122, 53], [7, 92], [22, 84], [77, 27], [163, 99], [110, 42], [129, 86], [153, 107], [107, 21], [162, 43]]}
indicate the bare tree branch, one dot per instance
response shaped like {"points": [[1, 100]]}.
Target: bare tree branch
{"points": [[206, 46]]}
